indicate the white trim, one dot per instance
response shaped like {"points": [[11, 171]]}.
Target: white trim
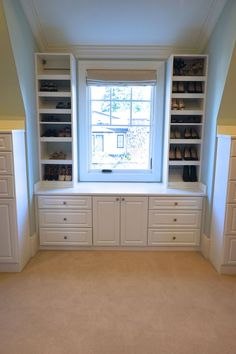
{"points": [[34, 244], [129, 176], [124, 248], [205, 246]]}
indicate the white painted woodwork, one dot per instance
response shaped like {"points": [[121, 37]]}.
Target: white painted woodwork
{"points": [[6, 163], [66, 237], [176, 203], [223, 225], [176, 218], [14, 232], [172, 236], [8, 245], [59, 202], [6, 187], [134, 212], [54, 218], [106, 221], [5, 142], [230, 250]]}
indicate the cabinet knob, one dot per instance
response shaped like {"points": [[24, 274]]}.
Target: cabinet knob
{"points": [[117, 199], [173, 238], [64, 203], [65, 219], [174, 220], [176, 203], [65, 237], [123, 199]]}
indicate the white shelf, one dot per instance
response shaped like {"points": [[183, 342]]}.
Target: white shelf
{"points": [[185, 141], [56, 162], [188, 78], [54, 111], [54, 94], [188, 95], [184, 124], [184, 163], [56, 123], [55, 76], [55, 139], [183, 112]]}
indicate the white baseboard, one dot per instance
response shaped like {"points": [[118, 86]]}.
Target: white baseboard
{"points": [[205, 246], [34, 244]]}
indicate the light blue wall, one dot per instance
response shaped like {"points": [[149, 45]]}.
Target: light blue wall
{"points": [[219, 49], [24, 46]]}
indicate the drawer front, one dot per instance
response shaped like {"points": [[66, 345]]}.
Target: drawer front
{"points": [[5, 142], [232, 168], [230, 224], [230, 250], [61, 202], [233, 148], [6, 187], [6, 163], [175, 203], [54, 218], [231, 197], [176, 219], [173, 237], [66, 237]]}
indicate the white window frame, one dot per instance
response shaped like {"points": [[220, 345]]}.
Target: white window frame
{"points": [[157, 127]]}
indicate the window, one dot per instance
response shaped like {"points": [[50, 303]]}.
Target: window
{"points": [[120, 120]]}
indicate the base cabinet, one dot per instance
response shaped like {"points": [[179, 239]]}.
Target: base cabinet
{"points": [[8, 250], [120, 221]]}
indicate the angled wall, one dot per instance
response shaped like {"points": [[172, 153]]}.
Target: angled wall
{"points": [[11, 104], [219, 49], [23, 47]]}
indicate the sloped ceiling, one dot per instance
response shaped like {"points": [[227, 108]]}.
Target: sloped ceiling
{"points": [[69, 24]]}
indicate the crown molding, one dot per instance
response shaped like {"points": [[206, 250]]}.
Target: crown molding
{"points": [[120, 52], [214, 12]]}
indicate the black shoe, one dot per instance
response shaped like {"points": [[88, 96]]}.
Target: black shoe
{"points": [[193, 174], [186, 175]]}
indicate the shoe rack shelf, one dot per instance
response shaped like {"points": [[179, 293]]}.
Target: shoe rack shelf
{"points": [[56, 107], [184, 119]]}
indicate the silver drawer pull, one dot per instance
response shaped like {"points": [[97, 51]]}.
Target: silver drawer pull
{"points": [[65, 237], [174, 220], [65, 219], [173, 238]]}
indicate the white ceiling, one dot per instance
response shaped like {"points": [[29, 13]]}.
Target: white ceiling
{"points": [[67, 24]]}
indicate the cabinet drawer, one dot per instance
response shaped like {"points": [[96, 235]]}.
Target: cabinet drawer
{"points": [[174, 218], [5, 142], [230, 250], [67, 237], [230, 224], [232, 168], [6, 163], [233, 148], [6, 187], [175, 203], [61, 202], [54, 218], [173, 237]]}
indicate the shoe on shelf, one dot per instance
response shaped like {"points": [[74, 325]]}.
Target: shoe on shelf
{"points": [[198, 87], [178, 155], [177, 134], [186, 174], [187, 133], [194, 134], [174, 87], [191, 87], [181, 104], [174, 104], [193, 153], [172, 154], [193, 174], [187, 154], [181, 87]]}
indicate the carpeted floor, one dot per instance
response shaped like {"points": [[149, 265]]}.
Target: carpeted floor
{"points": [[96, 302]]}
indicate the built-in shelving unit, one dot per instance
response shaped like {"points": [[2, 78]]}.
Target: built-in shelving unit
{"points": [[184, 119], [56, 107]]}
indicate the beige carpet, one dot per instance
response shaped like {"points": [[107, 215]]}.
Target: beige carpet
{"points": [[117, 303]]}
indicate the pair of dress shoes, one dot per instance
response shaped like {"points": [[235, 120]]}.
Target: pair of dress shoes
{"points": [[190, 133], [189, 174]]}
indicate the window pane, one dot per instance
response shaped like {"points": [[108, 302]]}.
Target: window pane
{"points": [[133, 155], [99, 92], [120, 113], [141, 113], [100, 112], [121, 93], [141, 92]]}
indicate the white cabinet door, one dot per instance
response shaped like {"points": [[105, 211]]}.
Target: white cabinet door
{"points": [[106, 221], [8, 252], [134, 221]]}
